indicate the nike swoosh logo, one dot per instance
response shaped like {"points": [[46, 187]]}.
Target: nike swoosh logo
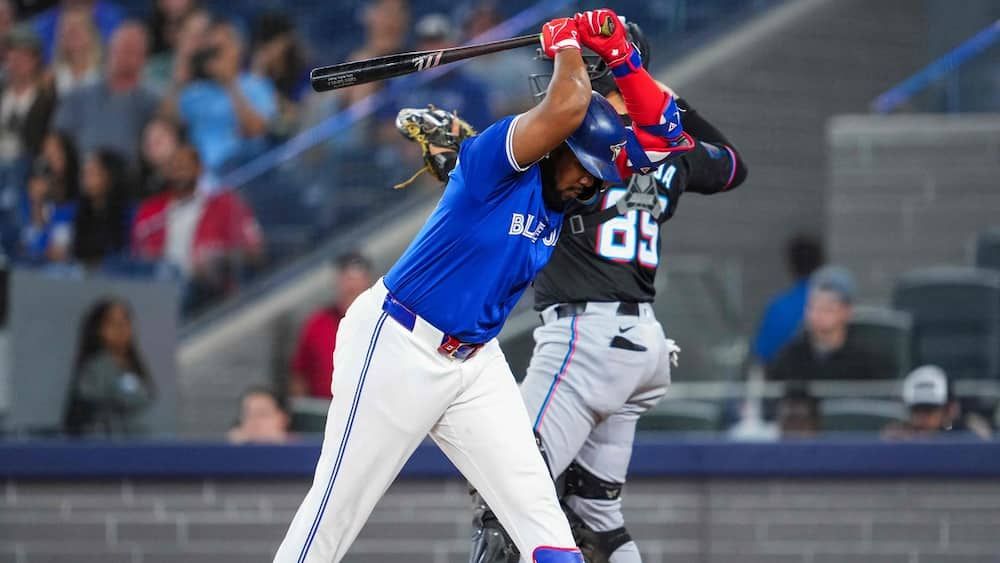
{"points": [[624, 330]]}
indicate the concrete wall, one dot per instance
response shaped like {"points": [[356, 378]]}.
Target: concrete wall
{"points": [[690, 521], [909, 191]]}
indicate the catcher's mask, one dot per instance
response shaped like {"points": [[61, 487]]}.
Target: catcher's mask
{"points": [[600, 75]]}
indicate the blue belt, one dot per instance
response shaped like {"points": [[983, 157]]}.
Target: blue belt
{"points": [[450, 346]]}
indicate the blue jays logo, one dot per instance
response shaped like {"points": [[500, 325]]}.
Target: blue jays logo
{"points": [[616, 150]]}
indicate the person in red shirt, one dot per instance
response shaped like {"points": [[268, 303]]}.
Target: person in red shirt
{"points": [[312, 364], [207, 236]]}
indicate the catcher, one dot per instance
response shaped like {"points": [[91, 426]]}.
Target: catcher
{"points": [[601, 358]]}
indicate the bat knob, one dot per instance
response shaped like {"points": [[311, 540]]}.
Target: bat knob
{"points": [[608, 26]]}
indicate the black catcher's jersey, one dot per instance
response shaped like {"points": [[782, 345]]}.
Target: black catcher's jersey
{"points": [[616, 260]]}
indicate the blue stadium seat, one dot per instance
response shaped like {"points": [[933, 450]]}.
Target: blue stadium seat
{"points": [[956, 319]]}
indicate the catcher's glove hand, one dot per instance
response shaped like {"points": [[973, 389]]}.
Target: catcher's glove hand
{"points": [[432, 127]]}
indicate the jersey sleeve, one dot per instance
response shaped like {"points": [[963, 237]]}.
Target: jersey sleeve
{"points": [[486, 161], [716, 164]]}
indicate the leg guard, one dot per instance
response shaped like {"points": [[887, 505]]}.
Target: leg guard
{"points": [[490, 543], [556, 555], [597, 547]]}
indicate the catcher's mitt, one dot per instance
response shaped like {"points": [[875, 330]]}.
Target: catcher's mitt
{"points": [[433, 127]]}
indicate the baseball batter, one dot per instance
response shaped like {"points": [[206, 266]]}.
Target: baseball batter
{"points": [[416, 353], [601, 359]]}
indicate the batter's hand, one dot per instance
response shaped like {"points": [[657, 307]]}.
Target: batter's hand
{"points": [[603, 32], [559, 34]]}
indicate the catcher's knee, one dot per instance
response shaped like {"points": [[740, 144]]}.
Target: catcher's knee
{"points": [[595, 500]]}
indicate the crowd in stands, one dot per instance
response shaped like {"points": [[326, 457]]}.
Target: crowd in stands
{"points": [[95, 100]]}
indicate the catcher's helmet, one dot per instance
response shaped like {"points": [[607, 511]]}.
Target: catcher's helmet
{"points": [[598, 140], [600, 75]]}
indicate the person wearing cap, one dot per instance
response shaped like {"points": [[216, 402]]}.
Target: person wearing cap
{"points": [[823, 351], [456, 91], [932, 408], [312, 364]]}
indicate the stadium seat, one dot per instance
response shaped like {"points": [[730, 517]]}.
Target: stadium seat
{"points": [[884, 332], [859, 415], [988, 249], [956, 319], [309, 415], [682, 416]]}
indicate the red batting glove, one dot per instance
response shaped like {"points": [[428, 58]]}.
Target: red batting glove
{"points": [[559, 34], [603, 33]]}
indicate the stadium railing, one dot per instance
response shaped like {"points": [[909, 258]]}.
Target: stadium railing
{"points": [[962, 80]]}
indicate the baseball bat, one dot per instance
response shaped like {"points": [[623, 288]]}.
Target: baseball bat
{"points": [[342, 75]]}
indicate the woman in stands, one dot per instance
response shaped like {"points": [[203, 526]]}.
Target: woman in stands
{"points": [[111, 389], [103, 218]]}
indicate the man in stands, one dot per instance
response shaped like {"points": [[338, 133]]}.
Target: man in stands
{"points": [[312, 365], [823, 350], [112, 113], [933, 409], [783, 316], [209, 238]]}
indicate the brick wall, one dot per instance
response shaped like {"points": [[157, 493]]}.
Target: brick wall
{"points": [[689, 521], [909, 191]]}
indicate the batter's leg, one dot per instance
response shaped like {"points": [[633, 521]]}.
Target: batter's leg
{"points": [[487, 434], [389, 394]]}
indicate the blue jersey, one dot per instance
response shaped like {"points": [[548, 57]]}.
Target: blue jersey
{"points": [[483, 244]]}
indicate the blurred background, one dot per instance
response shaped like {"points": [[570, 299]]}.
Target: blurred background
{"points": [[183, 222]]}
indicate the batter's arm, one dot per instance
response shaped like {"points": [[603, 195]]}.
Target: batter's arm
{"points": [[546, 126]]}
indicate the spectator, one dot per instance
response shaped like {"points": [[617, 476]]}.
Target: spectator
{"points": [[48, 211], [26, 107], [798, 414], [455, 91], [168, 69], [386, 24], [783, 316], [312, 365], [105, 15], [112, 113], [504, 73], [111, 389], [77, 59], [102, 218], [263, 419], [279, 56], [933, 410], [60, 162], [823, 350], [8, 19], [227, 112], [160, 139], [166, 21], [210, 238]]}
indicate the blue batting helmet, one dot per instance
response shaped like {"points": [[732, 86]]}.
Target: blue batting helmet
{"points": [[598, 140]]}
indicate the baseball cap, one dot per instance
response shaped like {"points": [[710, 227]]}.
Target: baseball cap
{"points": [[434, 26], [835, 279], [926, 385]]}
